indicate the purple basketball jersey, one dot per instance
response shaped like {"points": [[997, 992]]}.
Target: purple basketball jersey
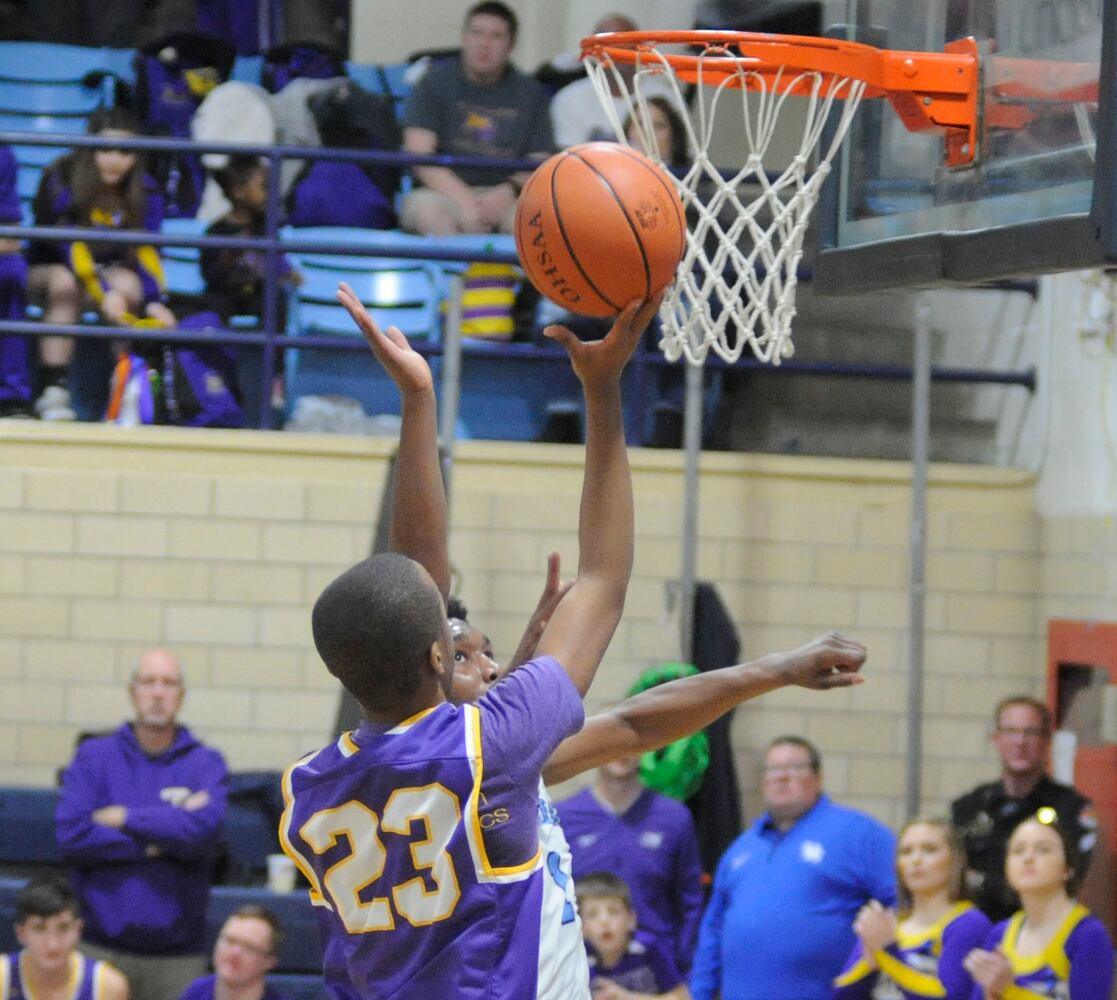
{"points": [[421, 844], [86, 978]]}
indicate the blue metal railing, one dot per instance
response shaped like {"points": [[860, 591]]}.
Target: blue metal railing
{"points": [[430, 248]]}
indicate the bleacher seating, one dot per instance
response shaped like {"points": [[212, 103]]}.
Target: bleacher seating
{"points": [[27, 842], [181, 264], [397, 292]]}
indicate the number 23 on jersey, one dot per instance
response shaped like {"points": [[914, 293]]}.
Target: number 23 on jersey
{"points": [[437, 812]]}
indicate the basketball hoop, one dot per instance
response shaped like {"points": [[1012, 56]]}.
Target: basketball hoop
{"points": [[737, 280]]}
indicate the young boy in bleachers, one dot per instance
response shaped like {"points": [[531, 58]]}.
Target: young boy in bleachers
{"points": [[48, 964], [235, 278], [622, 967]]}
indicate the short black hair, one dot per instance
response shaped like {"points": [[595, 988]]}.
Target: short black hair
{"points": [[250, 911], [603, 885], [374, 626], [46, 897], [494, 8], [455, 608], [798, 741], [237, 172]]}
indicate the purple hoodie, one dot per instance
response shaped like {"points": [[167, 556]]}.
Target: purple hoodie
{"points": [[143, 888]]}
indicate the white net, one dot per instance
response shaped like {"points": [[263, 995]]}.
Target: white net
{"points": [[737, 280]]}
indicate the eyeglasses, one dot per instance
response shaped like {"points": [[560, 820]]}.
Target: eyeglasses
{"points": [[1027, 732], [774, 770], [252, 949]]}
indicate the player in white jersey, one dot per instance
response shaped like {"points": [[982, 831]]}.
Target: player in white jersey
{"points": [[644, 722]]}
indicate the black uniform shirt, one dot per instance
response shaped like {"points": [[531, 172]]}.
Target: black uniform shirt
{"points": [[986, 817]]}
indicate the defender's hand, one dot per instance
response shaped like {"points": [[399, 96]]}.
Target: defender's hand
{"points": [[830, 661], [408, 369]]}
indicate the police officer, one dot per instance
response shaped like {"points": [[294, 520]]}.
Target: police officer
{"points": [[987, 816]]}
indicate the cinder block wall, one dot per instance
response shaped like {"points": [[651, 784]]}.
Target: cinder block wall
{"points": [[217, 544]]}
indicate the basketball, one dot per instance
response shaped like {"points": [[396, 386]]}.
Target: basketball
{"points": [[599, 225]]}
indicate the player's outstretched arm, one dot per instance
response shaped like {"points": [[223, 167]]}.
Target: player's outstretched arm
{"points": [[554, 590], [668, 712], [418, 525], [582, 625]]}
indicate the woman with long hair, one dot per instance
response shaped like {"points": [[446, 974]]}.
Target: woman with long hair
{"points": [[99, 188], [1051, 947], [920, 951]]}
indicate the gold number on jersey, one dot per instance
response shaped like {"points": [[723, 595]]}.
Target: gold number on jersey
{"points": [[437, 809]]}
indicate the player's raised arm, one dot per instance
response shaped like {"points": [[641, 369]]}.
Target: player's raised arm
{"points": [[582, 625], [668, 712], [418, 525]]}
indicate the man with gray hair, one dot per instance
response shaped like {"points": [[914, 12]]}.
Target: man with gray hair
{"points": [[138, 821]]}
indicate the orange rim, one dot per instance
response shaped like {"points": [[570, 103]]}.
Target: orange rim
{"points": [[927, 89]]}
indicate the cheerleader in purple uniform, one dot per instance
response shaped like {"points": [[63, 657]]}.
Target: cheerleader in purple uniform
{"points": [[918, 953], [1052, 948]]}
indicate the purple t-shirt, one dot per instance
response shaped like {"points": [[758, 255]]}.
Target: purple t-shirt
{"points": [[421, 843], [653, 847], [645, 967]]}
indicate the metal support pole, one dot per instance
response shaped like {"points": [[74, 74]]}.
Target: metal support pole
{"points": [[451, 376], [917, 572], [692, 443], [271, 291]]}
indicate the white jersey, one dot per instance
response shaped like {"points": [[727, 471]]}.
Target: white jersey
{"points": [[564, 972]]}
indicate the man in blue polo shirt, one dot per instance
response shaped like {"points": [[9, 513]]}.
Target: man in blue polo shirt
{"points": [[779, 923]]}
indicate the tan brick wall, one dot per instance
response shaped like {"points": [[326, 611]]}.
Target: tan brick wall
{"points": [[218, 543]]}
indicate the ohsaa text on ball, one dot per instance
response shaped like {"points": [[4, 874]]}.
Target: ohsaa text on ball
{"points": [[546, 262]]}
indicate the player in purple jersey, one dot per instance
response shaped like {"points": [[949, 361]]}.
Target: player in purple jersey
{"points": [[647, 721], [1052, 949], [918, 954], [419, 832], [49, 965]]}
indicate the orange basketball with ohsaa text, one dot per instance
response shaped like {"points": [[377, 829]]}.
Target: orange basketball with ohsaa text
{"points": [[599, 225]]}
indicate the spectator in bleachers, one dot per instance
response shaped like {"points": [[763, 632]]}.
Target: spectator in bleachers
{"points": [[621, 964], [668, 132], [567, 67], [139, 819], [246, 950], [987, 815], [235, 278], [107, 189], [477, 104], [48, 928], [780, 919], [618, 825], [576, 111], [15, 351]]}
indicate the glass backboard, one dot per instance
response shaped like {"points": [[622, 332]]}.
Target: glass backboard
{"points": [[1039, 195]]}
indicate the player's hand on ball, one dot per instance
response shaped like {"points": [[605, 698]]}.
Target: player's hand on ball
{"points": [[830, 661], [408, 369], [600, 361]]}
